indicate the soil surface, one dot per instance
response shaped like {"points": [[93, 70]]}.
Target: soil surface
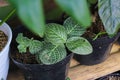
{"points": [[26, 58], [3, 40], [96, 27]]}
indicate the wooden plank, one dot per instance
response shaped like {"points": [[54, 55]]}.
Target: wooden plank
{"points": [[15, 75], [82, 72], [115, 48]]}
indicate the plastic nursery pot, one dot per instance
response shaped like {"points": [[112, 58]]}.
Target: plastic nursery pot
{"points": [[56, 71], [112, 76], [4, 54], [101, 49]]}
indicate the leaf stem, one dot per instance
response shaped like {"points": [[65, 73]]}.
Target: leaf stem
{"points": [[99, 34], [8, 16]]}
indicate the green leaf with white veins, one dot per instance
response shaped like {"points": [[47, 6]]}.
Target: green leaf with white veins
{"points": [[35, 46], [55, 33], [52, 54], [77, 9], [109, 11], [22, 48], [73, 28], [23, 43], [79, 45]]}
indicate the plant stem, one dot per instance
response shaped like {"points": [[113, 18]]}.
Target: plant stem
{"points": [[7, 17], [99, 34]]}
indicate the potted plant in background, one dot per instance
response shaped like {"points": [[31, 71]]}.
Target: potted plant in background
{"points": [[51, 51], [5, 40], [108, 24]]}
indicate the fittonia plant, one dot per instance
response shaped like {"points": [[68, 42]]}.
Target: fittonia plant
{"points": [[57, 38]]}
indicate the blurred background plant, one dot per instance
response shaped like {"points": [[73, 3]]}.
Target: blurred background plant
{"points": [[32, 12]]}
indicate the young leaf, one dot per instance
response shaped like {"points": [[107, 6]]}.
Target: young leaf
{"points": [[109, 11], [78, 9], [35, 46], [31, 13], [23, 43], [52, 54], [73, 28], [55, 33], [22, 48], [79, 45]]}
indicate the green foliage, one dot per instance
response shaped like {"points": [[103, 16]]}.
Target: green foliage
{"points": [[7, 17], [92, 1], [79, 45], [24, 43], [35, 46], [68, 78], [52, 49], [45, 52], [55, 33], [31, 13], [109, 12], [73, 28], [51, 54], [99, 34], [78, 9]]}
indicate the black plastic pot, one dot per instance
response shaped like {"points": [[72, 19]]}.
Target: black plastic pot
{"points": [[118, 39], [112, 76], [56, 71], [101, 49]]}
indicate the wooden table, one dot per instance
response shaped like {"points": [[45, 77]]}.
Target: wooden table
{"points": [[82, 72]]}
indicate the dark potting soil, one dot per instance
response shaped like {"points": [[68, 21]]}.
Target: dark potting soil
{"points": [[3, 40], [25, 58], [96, 27]]}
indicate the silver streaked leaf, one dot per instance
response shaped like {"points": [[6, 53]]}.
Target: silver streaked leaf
{"points": [[52, 54], [79, 45], [73, 28], [109, 11], [55, 33], [35, 46]]}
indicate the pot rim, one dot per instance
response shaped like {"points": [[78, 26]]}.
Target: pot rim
{"points": [[17, 62]]}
